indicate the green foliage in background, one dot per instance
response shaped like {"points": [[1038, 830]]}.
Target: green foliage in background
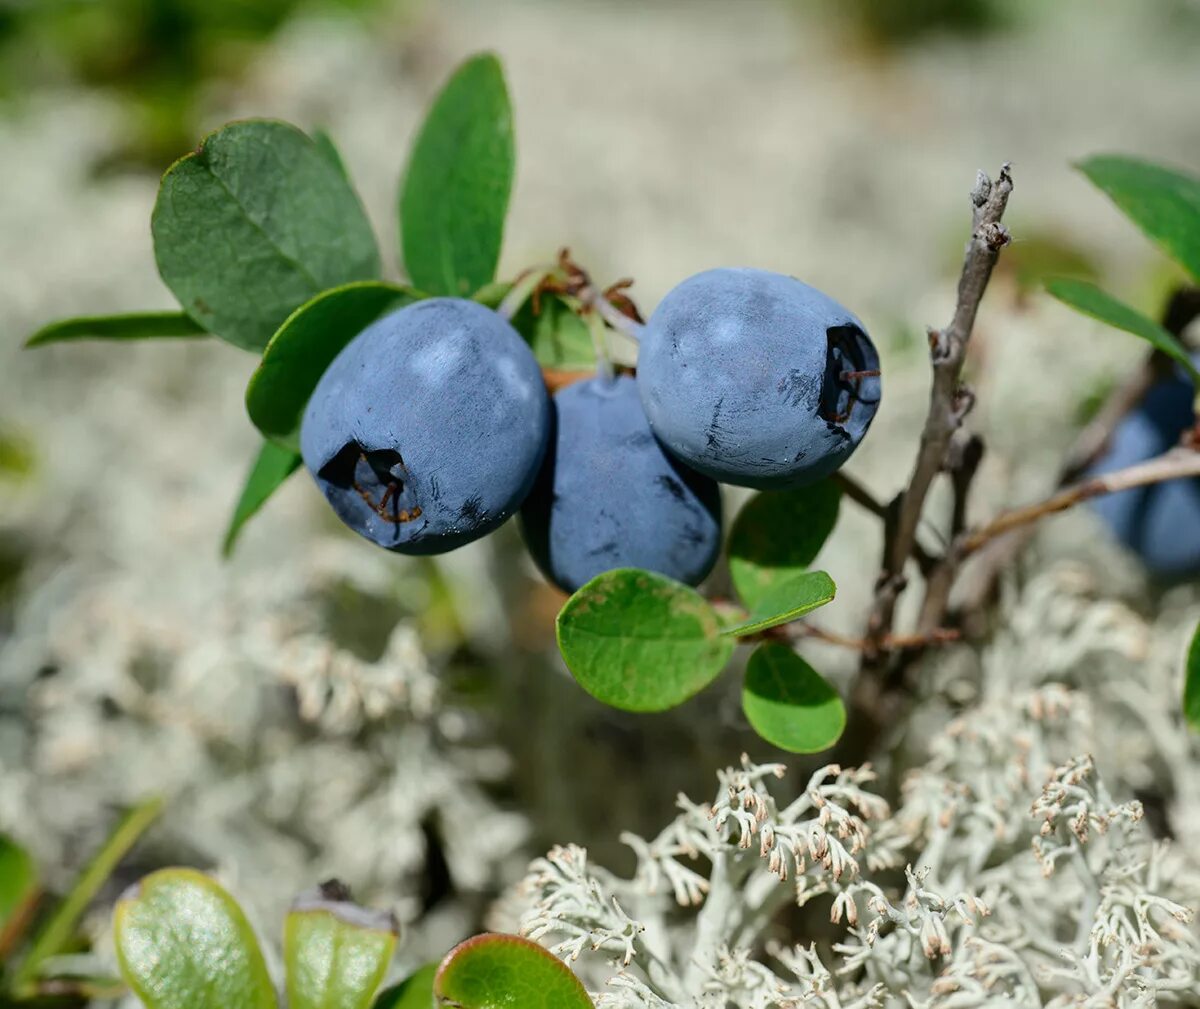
{"points": [[153, 54], [34, 932]]}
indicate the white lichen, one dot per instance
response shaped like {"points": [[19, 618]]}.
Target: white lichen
{"points": [[1007, 875]]}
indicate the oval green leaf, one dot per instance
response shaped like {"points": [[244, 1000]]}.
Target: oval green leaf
{"points": [[789, 703], [336, 952], [306, 344], [1090, 300], [183, 943], [254, 223], [778, 534], [494, 971], [414, 992], [786, 601], [1164, 203], [455, 192], [128, 326], [272, 466], [639, 641], [1191, 685]]}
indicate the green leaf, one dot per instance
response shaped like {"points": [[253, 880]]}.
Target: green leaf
{"points": [[786, 601], [1191, 686], [328, 149], [336, 952], [255, 223], [59, 929], [414, 992], [492, 294], [1164, 203], [456, 187], [183, 943], [19, 891], [558, 337], [1090, 300], [272, 466], [306, 344], [789, 703], [778, 534], [494, 971], [639, 641], [129, 326]]}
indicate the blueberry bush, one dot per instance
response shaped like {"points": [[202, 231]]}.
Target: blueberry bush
{"points": [[429, 411]]}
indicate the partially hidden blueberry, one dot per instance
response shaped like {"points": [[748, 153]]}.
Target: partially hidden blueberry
{"points": [[429, 428], [1159, 522], [757, 379], [609, 497]]}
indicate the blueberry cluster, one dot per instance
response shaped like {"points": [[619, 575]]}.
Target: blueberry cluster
{"points": [[433, 426]]}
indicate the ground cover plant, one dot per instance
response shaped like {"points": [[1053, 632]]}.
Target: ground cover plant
{"points": [[430, 411]]}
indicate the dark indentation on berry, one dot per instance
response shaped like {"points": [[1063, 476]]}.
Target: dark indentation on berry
{"points": [[846, 368], [672, 487], [376, 475]]}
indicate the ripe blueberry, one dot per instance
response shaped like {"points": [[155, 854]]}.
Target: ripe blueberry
{"points": [[755, 378], [428, 429], [1158, 522], [609, 497]]}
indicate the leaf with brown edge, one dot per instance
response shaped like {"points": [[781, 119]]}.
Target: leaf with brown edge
{"points": [[493, 971]]}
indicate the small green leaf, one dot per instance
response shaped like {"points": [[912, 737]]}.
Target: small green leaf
{"points": [[456, 187], [255, 223], [786, 601], [336, 952], [19, 891], [639, 641], [558, 337], [414, 992], [129, 326], [183, 943], [1090, 300], [59, 928], [306, 344], [494, 971], [1191, 686], [789, 703], [1164, 203], [778, 534], [272, 466]]}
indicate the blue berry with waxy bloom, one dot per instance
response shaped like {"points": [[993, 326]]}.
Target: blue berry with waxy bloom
{"points": [[757, 379], [609, 497], [1158, 522], [429, 428]]}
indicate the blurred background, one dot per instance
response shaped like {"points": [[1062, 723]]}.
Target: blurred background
{"points": [[315, 707]]}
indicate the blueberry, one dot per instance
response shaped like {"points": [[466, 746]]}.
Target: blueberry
{"points": [[429, 428], [609, 497], [1159, 522], [749, 377]]}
